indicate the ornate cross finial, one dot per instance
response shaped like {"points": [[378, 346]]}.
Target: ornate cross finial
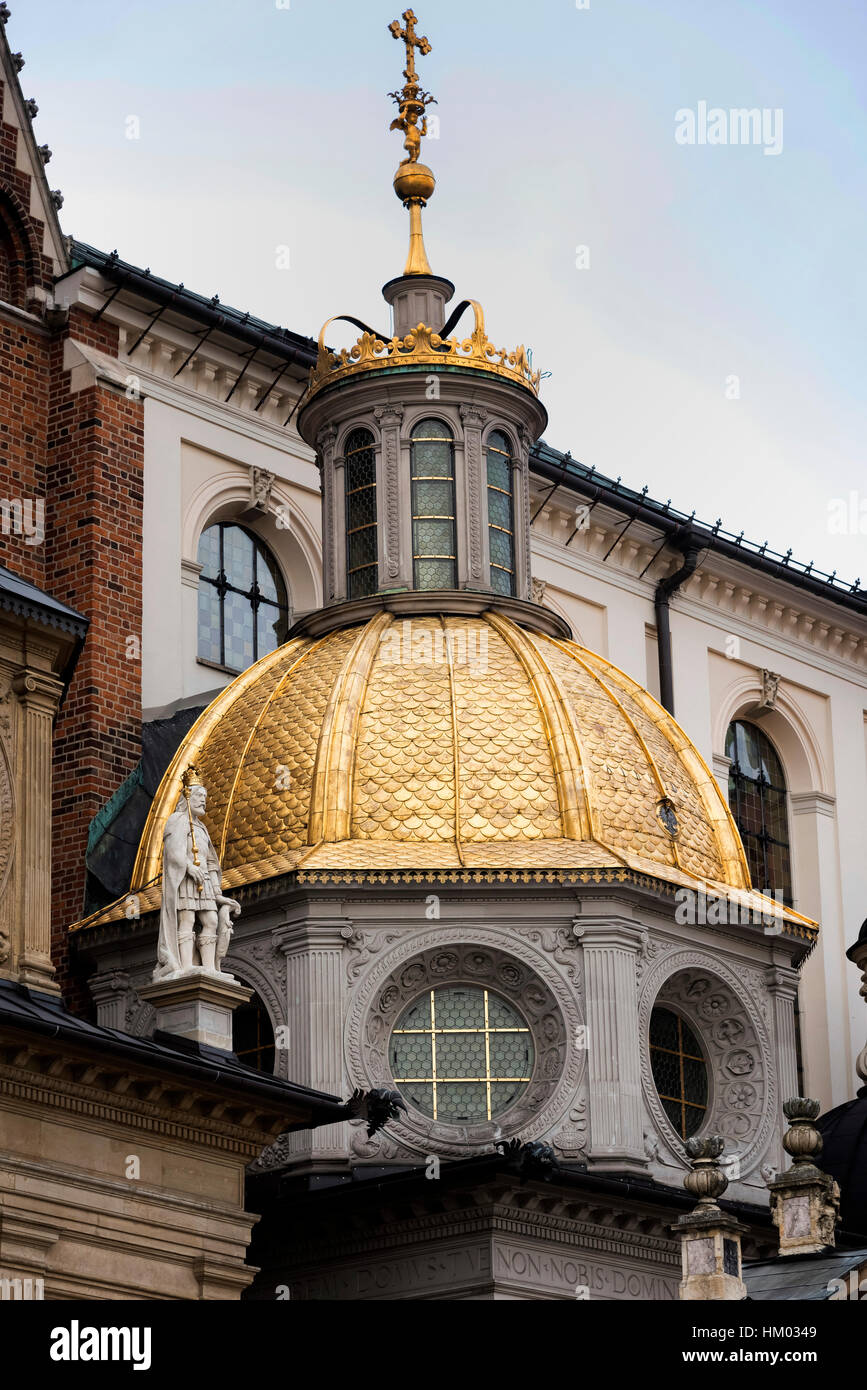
{"points": [[413, 183], [412, 42]]}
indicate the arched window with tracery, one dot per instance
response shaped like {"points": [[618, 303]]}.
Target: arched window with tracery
{"points": [[758, 799], [434, 543], [243, 603], [501, 513], [362, 561]]}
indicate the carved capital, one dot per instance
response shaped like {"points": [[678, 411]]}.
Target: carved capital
{"points": [[473, 416]]}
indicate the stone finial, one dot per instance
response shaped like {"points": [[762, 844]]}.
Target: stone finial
{"points": [[5, 13], [707, 1181], [44, 153], [18, 61], [31, 108], [804, 1200], [710, 1239]]}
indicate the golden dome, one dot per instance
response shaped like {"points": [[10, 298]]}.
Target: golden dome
{"points": [[448, 743]]}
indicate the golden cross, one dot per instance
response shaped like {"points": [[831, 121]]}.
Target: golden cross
{"points": [[412, 42]]}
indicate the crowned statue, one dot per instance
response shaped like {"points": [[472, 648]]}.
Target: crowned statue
{"points": [[195, 916]]}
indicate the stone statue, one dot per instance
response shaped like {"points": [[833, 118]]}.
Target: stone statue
{"points": [[192, 893]]}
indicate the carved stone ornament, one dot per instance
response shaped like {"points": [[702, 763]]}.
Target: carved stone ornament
{"points": [[195, 916], [388, 418], [261, 486], [539, 587], [742, 1095], [770, 687], [7, 821], [513, 968]]}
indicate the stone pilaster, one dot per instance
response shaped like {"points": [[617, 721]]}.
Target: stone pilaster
{"points": [[610, 946], [110, 993], [325, 449], [38, 698], [475, 499], [521, 498], [782, 986], [395, 565], [315, 1022]]}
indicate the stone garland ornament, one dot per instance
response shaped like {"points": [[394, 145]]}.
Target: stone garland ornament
{"points": [[493, 959], [742, 1088]]}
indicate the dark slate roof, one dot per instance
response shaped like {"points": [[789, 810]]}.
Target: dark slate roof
{"points": [[33, 1011], [18, 595], [800, 1278], [557, 467], [295, 348], [682, 531]]}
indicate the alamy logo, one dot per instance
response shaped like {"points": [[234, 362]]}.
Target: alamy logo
{"points": [[24, 1290], [738, 126], [77, 1343], [23, 516]]}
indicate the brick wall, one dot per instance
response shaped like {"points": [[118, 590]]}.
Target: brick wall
{"points": [[80, 455], [94, 543]]}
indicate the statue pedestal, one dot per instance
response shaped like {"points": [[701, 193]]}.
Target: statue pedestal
{"points": [[197, 1005]]}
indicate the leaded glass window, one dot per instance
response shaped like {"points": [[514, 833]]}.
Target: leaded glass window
{"points": [[461, 1055], [243, 605], [362, 561], [253, 1036], [501, 513], [434, 547], [679, 1071], [757, 796]]}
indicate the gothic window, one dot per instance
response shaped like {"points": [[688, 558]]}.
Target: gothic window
{"points": [[679, 1071], [253, 1036], [243, 605], [501, 513], [434, 547], [361, 538], [461, 1055], [757, 796]]}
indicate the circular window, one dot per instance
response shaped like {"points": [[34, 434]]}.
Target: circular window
{"points": [[461, 1055], [679, 1071]]}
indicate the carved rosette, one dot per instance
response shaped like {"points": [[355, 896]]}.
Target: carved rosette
{"points": [[515, 969], [742, 1097], [389, 418]]}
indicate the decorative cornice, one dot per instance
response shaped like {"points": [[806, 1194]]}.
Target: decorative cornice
{"points": [[92, 1103], [790, 625]]}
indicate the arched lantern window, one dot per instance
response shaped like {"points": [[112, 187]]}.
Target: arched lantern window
{"points": [[501, 513], [434, 545], [362, 560]]}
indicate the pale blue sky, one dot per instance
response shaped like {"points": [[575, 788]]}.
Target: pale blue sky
{"points": [[263, 127]]}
